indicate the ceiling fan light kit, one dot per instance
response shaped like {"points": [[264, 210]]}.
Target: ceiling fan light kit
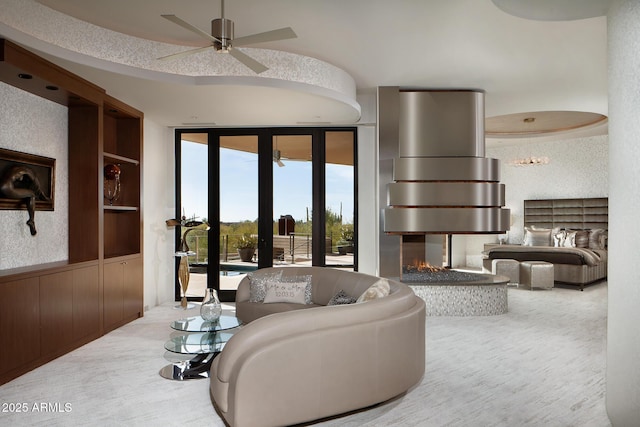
{"points": [[222, 30]]}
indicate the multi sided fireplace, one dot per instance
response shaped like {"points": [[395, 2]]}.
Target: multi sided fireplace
{"points": [[434, 173]]}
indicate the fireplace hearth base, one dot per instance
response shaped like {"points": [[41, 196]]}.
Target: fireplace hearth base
{"points": [[456, 293]]}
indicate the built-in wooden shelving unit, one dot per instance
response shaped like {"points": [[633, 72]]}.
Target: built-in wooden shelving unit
{"points": [[47, 310]]}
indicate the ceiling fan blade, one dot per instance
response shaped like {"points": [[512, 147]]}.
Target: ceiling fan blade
{"points": [[184, 53], [267, 36], [186, 25], [248, 61]]}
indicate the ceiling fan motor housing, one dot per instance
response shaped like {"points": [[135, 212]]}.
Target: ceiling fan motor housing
{"points": [[222, 29]]}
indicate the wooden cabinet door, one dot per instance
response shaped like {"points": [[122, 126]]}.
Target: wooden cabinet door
{"points": [[113, 295], [56, 311], [133, 288], [19, 323], [123, 292], [86, 303], [69, 309]]}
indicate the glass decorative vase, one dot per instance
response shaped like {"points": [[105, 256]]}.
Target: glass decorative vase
{"points": [[111, 182], [211, 309]]}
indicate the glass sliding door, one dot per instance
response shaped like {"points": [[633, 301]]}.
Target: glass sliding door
{"points": [[192, 234], [340, 198], [238, 189], [292, 199]]}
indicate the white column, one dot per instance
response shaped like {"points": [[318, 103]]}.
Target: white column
{"points": [[623, 340]]}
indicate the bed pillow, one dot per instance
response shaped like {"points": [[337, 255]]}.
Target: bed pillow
{"points": [[598, 239], [257, 284], [537, 236]]}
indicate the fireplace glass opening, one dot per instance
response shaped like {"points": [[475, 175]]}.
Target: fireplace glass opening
{"points": [[416, 252], [413, 256]]}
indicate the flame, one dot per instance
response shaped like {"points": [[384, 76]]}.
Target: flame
{"points": [[422, 267]]}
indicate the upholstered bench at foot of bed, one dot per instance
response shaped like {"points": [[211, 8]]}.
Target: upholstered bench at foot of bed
{"points": [[507, 267], [536, 274]]}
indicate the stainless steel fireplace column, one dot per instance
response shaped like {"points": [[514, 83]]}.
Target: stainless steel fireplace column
{"points": [[433, 173]]}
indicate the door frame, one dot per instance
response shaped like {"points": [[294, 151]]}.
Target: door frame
{"points": [[265, 194]]}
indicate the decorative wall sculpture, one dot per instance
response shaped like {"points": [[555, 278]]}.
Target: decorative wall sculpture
{"points": [[26, 182]]}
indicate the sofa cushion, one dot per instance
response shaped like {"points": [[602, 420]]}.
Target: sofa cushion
{"points": [[379, 289], [341, 298], [279, 291], [258, 281]]}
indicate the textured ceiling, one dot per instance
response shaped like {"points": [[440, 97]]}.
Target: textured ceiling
{"points": [[523, 65]]}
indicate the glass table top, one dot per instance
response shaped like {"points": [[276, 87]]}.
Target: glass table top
{"points": [[198, 324], [198, 343]]}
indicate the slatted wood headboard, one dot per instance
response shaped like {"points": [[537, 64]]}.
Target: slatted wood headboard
{"points": [[577, 214]]}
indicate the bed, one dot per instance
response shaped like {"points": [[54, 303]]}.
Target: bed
{"points": [[569, 233]]}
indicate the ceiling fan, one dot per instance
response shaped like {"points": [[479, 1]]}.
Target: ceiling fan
{"points": [[277, 154], [277, 158], [222, 39]]}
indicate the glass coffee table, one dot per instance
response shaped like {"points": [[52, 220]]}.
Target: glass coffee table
{"points": [[204, 340]]}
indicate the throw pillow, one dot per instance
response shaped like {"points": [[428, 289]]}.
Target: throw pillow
{"points": [[257, 284], [292, 292], [582, 238], [569, 240], [341, 298], [597, 239], [377, 290], [307, 290], [558, 238]]}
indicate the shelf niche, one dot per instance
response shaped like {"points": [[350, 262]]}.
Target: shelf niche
{"points": [[122, 220]]}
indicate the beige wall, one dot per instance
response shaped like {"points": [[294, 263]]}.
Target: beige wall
{"points": [[623, 336], [158, 206]]}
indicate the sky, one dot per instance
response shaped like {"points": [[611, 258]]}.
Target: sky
{"points": [[239, 186]]}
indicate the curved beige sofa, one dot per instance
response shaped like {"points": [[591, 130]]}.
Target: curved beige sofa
{"points": [[295, 363]]}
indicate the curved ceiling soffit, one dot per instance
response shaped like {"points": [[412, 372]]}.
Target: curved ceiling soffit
{"points": [[549, 124], [545, 124], [39, 27], [554, 10]]}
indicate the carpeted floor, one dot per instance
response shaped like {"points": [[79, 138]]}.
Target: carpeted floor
{"points": [[541, 364]]}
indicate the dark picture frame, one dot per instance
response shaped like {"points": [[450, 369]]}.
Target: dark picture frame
{"points": [[44, 169]]}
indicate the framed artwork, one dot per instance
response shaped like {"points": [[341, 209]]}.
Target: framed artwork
{"points": [[23, 176]]}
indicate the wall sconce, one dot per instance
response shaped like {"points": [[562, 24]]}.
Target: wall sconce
{"points": [[529, 161]]}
